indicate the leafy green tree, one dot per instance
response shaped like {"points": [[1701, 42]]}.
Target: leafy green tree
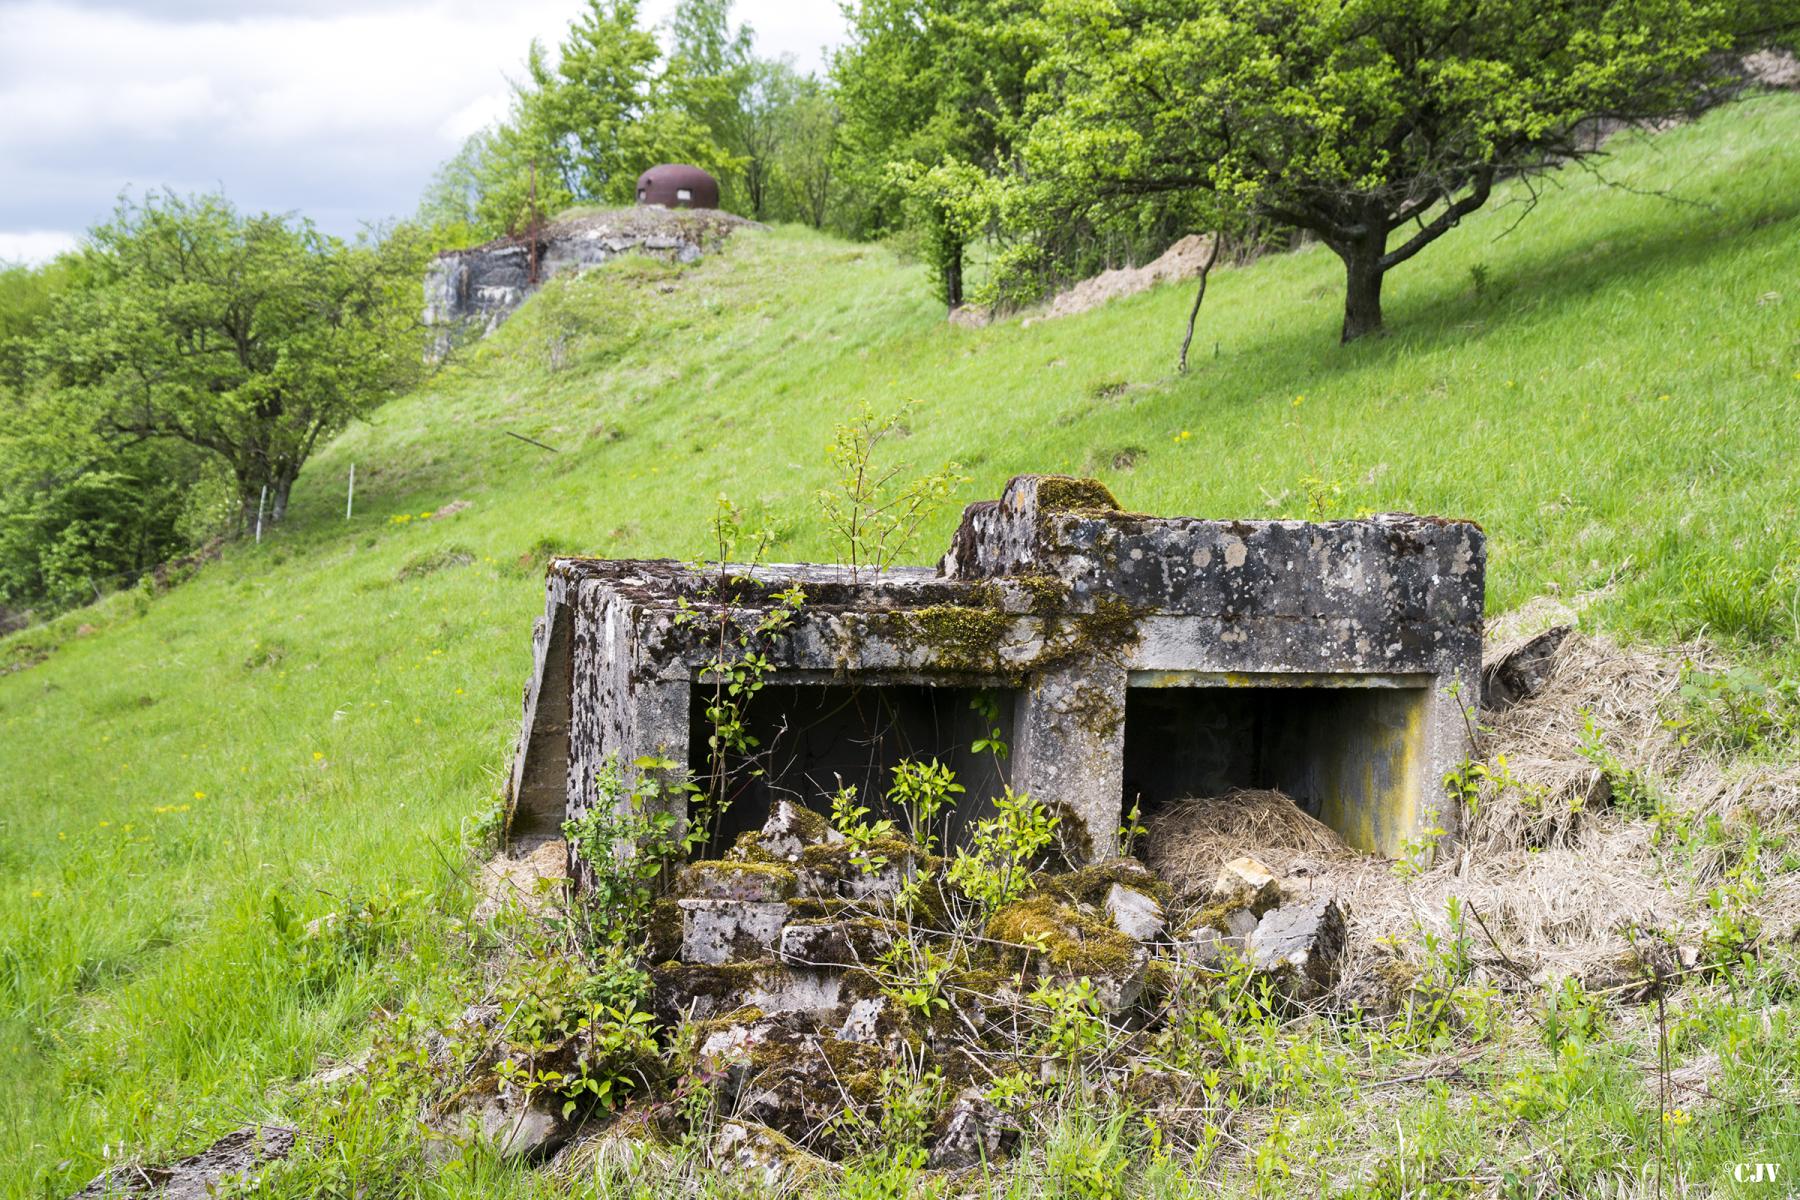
{"points": [[924, 82], [951, 205], [806, 152], [760, 129], [581, 128], [27, 296], [1377, 125], [749, 104], [79, 519], [248, 337]]}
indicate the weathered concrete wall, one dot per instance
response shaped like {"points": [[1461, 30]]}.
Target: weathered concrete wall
{"points": [[1053, 592], [470, 292]]}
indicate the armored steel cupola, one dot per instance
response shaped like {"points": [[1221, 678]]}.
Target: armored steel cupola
{"points": [[677, 185]]}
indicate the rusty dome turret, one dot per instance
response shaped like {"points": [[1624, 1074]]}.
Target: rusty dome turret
{"points": [[677, 185]]}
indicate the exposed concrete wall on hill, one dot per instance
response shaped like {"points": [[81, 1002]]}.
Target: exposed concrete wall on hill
{"points": [[470, 292]]}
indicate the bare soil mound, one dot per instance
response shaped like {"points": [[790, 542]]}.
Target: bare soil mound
{"points": [[1183, 260]]}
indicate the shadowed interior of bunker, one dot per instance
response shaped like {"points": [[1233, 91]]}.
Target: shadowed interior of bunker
{"points": [[811, 739], [1347, 749]]}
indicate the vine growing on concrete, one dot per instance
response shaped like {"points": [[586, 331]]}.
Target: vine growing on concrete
{"points": [[739, 660]]}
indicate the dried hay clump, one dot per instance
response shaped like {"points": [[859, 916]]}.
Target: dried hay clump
{"points": [[1190, 840], [533, 881], [1563, 868], [1604, 716]]}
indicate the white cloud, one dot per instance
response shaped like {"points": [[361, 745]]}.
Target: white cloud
{"points": [[35, 245]]}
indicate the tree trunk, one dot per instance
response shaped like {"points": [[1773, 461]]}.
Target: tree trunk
{"points": [[1362, 285], [953, 277], [279, 488]]}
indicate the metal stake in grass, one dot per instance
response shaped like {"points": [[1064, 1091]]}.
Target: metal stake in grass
{"points": [[259, 512], [350, 493]]}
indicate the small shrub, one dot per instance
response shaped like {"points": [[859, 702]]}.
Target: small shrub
{"points": [[628, 841], [995, 868], [1736, 709]]}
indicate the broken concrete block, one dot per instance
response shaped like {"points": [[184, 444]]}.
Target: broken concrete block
{"points": [[764, 1158], [836, 870], [844, 943], [1246, 883], [1201, 946], [1090, 884], [1301, 946], [698, 991], [1214, 936], [791, 828], [884, 883], [719, 931], [970, 1133], [1240, 923], [1134, 914], [1518, 672], [863, 1022], [1064, 943], [801, 1090], [520, 1128], [238, 1154], [760, 883], [729, 1048], [796, 989]]}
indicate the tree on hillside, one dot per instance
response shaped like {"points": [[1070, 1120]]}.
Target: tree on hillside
{"points": [[1377, 125], [583, 125], [806, 152], [922, 83], [250, 337], [716, 78]]}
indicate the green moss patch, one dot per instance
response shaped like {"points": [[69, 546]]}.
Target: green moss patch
{"points": [[1067, 493], [1065, 938]]}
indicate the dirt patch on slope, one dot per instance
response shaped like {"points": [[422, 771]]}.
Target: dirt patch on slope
{"points": [[1183, 260]]}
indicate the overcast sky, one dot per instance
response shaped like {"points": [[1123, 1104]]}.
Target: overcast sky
{"points": [[338, 109]]}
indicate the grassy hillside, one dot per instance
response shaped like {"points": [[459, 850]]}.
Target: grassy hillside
{"points": [[314, 724]]}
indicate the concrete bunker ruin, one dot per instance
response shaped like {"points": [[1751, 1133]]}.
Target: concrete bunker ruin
{"points": [[1126, 659]]}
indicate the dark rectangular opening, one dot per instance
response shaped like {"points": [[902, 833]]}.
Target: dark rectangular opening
{"points": [[1349, 755], [813, 738]]}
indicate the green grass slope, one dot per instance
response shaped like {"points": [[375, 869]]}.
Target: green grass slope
{"points": [[1613, 390]]}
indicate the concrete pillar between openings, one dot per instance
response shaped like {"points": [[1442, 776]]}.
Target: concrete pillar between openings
{"points": [[660, 730], [1069, 750]]}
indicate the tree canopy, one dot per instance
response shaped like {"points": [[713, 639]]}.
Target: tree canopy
{"points": [[588, 119], [247, 337], [1376, 125]]}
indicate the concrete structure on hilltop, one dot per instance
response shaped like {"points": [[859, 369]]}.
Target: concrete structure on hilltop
{"points": [[1129, 659]]}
